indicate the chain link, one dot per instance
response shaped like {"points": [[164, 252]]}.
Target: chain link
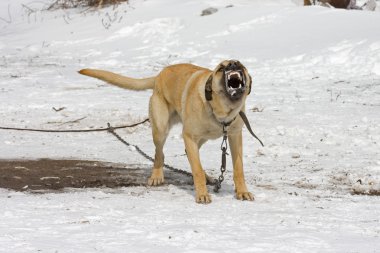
{"points": [[223, 147]]}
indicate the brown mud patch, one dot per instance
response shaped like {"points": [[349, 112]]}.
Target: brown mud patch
{"points": [[46, 174]]}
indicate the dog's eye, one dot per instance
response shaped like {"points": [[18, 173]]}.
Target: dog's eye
{"points": [[221, 68]]}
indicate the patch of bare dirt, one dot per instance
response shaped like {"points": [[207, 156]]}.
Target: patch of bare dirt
{"points": [[46, 174]]}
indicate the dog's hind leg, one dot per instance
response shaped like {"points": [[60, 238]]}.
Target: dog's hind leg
{"points": [[159, 116]]}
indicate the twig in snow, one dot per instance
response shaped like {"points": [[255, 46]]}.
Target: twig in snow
{"points": [[29, 11], [72, 121], [52, 5], [66, 4], [59, 109], [257, 109], [64, 18], [337, 96], [28, 8], [9, 16], [107, 23]]}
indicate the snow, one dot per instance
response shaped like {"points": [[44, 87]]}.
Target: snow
{"points": [[316, 82]]}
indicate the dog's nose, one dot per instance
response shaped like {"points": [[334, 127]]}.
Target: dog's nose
{"points": [[233, 64]]}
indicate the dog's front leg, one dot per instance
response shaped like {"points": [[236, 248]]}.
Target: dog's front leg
{"points": [[236, 144], [199, 175]]}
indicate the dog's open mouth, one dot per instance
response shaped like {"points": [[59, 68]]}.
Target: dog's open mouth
{"points": [[235, 83]]}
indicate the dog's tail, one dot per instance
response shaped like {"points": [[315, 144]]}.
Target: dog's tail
{"points": [[119, 80]]}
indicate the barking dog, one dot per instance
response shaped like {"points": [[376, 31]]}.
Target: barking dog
{"points": [[204, 101]]}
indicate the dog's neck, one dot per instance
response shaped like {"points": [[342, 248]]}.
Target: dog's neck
{"points": [[227, 121]]}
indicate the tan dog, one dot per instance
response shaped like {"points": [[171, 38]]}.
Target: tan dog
{"points": [[204, 101]]}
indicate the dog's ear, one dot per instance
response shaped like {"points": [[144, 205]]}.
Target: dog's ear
{"points": [[249, 84], [208, 89]]}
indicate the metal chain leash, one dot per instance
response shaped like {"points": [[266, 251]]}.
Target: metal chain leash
{"points": [[223, 147], [109, 129], [217, 182], [145, 155]]}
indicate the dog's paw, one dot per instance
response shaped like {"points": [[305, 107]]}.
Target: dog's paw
{"points": [[157, 178], [203, 198], [155, 181], [245, 196]]}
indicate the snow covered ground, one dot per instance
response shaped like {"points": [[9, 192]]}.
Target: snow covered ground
{"points": [[315, 104]]}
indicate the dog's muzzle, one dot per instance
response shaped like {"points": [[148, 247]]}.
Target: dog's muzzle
{"points": [[234, 80]]}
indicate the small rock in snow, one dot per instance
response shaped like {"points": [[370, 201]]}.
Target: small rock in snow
{"points": [[209, 11], [296, 156], [281, 130], [260, 153]]}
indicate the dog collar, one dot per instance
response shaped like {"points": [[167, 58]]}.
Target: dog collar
{"points": [[208, 89]]}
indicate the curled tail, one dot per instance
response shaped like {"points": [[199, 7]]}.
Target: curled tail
{"points": [[119, 80]]}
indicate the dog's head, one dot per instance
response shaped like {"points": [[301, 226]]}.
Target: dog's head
{"points": [[232, 78]]}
